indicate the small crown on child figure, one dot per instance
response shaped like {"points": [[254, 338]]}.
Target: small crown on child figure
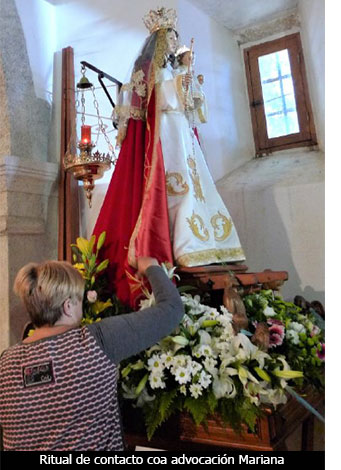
{"points": [[160, 19]]}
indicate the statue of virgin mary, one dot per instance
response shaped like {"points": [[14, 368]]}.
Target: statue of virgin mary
{"points": [[161, 201]]}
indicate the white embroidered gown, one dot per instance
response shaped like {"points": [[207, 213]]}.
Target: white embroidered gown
{"points": [[202, 231]]}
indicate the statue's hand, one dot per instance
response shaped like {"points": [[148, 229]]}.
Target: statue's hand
{"points": [[186, 80]]}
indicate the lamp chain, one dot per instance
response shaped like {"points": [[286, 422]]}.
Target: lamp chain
{"points": [[103, 127], [83, 108]]}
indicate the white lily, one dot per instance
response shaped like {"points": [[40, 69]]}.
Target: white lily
{"points": [[205, 338], [243, 341], [286, 368], [170, 271], [144, 398], [245, 375], [260, 357], [275, 397], [228, 371], [224, 388], [209, 364], [128, 392], [251, 390], [146, 303]]}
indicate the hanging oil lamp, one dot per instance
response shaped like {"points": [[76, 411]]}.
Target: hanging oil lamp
{"points": [[85, 165]]}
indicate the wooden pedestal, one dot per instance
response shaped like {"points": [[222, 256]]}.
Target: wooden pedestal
{"points": [[207, 279], [181, 434]]}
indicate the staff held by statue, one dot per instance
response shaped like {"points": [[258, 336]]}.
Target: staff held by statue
{"points": [[189, 73]]}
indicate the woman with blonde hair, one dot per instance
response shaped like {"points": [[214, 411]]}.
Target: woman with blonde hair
{"points": [[58, 387]]}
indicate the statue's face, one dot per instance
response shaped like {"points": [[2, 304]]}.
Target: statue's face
{"points": [[186, 59], [172, 42], [200, 79]]}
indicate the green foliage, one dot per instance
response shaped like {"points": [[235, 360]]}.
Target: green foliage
{"points": [[160, 411], [197, 407], [238, 413]]}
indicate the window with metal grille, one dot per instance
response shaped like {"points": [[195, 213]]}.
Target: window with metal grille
{"points": [[279, 98]]}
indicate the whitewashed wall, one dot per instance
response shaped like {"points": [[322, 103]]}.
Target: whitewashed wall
{"points": [[228, 134], [39, 26], [313, 39], [277, 202]]}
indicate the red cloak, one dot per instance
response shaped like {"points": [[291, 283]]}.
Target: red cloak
{"points": [[134, 212]]}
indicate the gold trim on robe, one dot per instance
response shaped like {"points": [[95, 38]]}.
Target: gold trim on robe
{"points": [[210, 256]]}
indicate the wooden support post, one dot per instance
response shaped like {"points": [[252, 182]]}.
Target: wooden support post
{"points": [[68, 229]]}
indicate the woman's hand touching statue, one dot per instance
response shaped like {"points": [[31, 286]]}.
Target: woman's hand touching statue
{"points": [[144, 262]]}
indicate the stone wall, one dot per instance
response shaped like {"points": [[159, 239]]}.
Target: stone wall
{"points": [[28, 183], [28, 116], [28, 205]]}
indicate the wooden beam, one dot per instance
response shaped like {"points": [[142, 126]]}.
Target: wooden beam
{"points": [[68, 187]]}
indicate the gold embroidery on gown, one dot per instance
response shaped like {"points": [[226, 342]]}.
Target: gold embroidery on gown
{"points": [[198, 194], [178, 182], [222, 226], [198, 228]]}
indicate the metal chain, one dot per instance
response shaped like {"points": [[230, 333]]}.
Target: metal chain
{"points": [[83, 108], [102, 127]]}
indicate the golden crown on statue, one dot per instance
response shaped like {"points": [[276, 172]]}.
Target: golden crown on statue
{"points": [[160, 19]]}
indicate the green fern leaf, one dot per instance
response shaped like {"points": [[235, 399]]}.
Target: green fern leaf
{"points": [[198, 408], [159, 411]]}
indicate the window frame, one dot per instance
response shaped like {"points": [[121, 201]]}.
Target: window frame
{"points": [[307, 134]]}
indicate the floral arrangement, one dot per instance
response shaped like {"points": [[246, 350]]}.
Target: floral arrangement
{"points": [[292, 333], [203, 367], [85, 258]]}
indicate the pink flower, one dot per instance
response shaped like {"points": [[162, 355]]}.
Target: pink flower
{"points": [[273, 321], [321, 354], [91, 296], [276, 331], [315, 331]]}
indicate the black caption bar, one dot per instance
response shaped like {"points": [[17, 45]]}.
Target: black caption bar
{"points": [[93, 460]]}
